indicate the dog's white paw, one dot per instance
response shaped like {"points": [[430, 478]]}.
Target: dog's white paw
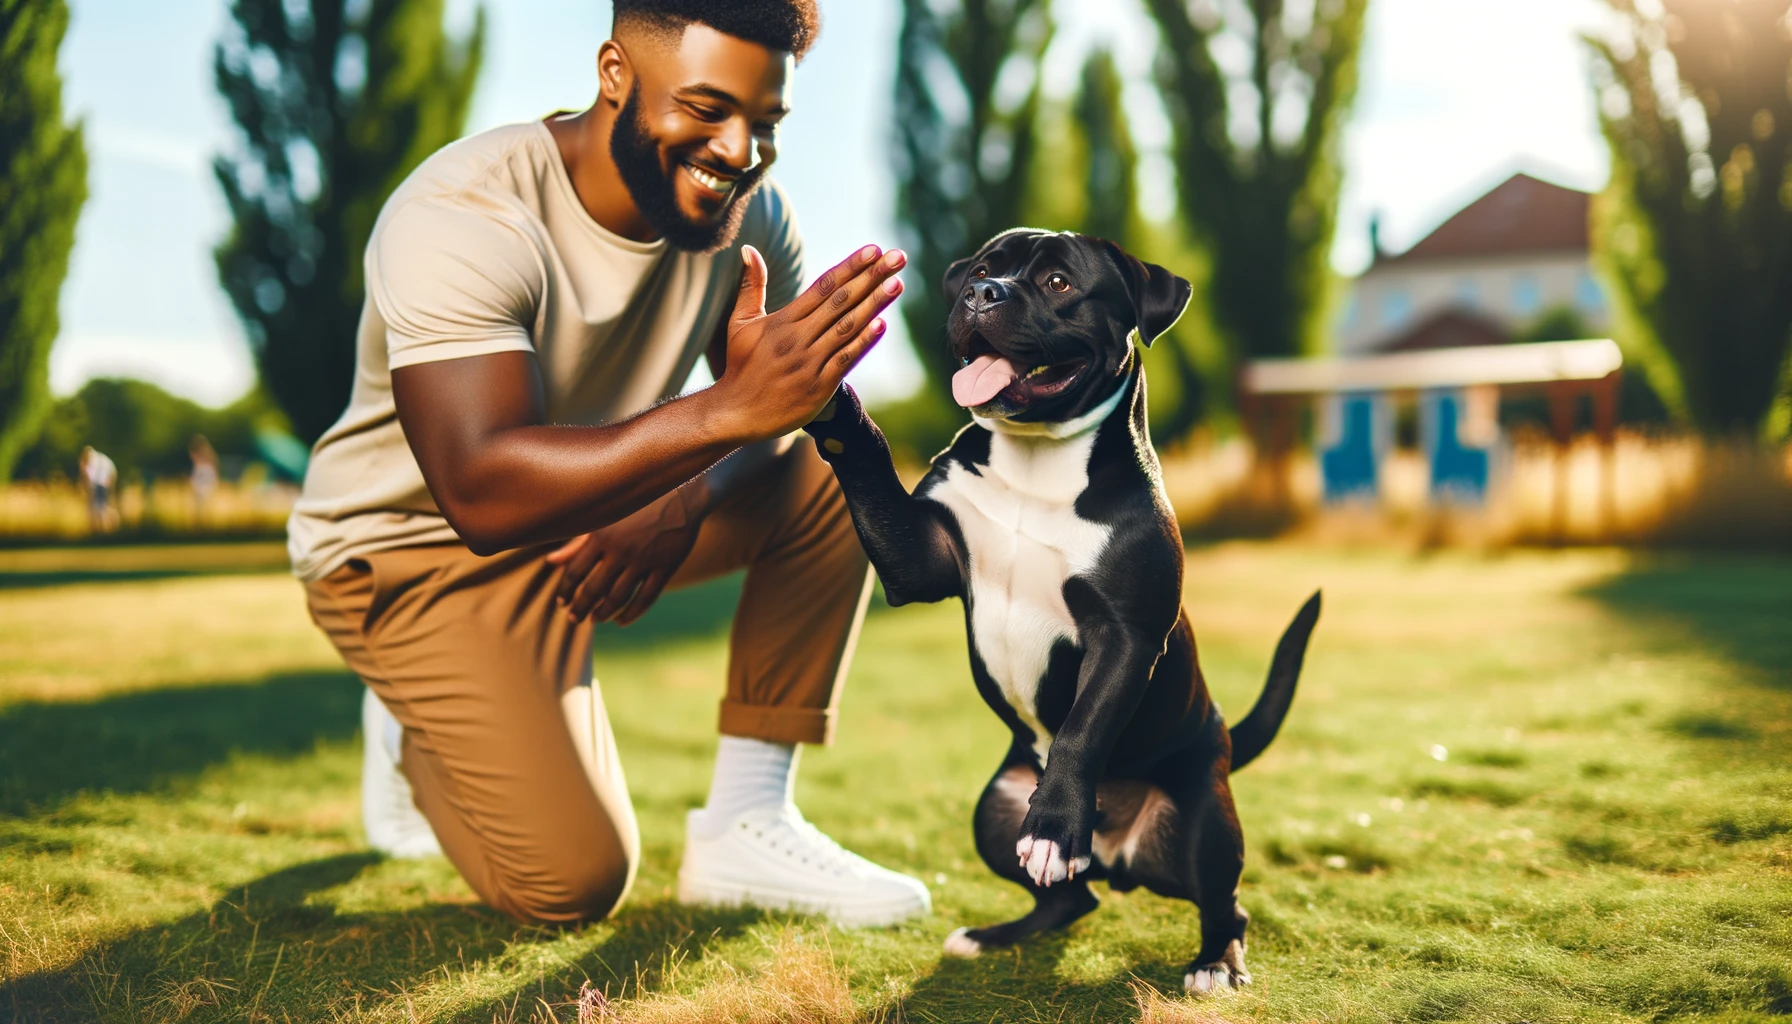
{"points": [[1209, 981], [1223, 976], [960, 943], [1044, 863]]}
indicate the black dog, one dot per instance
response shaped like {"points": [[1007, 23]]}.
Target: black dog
{"points": [[1047, 516]]}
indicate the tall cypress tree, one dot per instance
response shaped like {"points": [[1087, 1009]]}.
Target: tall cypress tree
{"points": [[1258, 183], [337, 100], [1695, 228], [967, 95], [43, 184]]}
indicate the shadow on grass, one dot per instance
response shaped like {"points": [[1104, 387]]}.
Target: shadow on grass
{"points": [[152, 740], [1025, 983], [1738, 607], [270, 951]]}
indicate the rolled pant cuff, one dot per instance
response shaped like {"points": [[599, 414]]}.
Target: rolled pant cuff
{"points": [[777, 724]]}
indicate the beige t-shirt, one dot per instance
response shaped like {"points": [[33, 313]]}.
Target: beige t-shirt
{"points": [[485, 248]]}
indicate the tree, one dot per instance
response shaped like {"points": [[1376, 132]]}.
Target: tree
{"points": [[1695, 228], [337, 100], [967, 98], [1258, 157], [43, 184], [144, 429]]}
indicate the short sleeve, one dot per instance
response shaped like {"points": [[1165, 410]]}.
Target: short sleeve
{"points": [[452, 283], [781, 243]]}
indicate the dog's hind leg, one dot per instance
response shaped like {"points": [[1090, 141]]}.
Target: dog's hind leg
{"points": [[1213, 856], [998, 818]]}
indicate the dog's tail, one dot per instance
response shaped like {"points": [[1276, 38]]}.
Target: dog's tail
{"points": [[1252, 736]]}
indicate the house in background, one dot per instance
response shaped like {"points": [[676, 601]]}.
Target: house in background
{"points": [[1483, 277]]}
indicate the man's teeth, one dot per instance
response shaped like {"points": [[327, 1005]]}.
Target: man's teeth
{"points": [[708, 180]]}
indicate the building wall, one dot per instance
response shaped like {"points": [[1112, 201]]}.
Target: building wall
{"points": [[1511, 291]]}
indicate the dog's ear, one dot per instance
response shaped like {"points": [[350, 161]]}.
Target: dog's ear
{"points": [[1158, 296], [953, 282]]}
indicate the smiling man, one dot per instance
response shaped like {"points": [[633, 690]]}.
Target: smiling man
{"points": [[510, 469]]}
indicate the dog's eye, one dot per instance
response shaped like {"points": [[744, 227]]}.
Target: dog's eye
{"points": [[1057, 283], [980, 272]]}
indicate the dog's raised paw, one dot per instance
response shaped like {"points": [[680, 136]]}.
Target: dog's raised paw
{"points": [[960, 943], [1044, 862]]}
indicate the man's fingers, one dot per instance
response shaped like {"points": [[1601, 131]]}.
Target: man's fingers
{"points": [[750, 303], [617, 596], [596, 587], [850, 326], [842, 362], [565, 551], [834, 279], [577, 568], [644, 598], [840, 311]]}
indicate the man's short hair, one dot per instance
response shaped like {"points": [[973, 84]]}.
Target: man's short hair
{"points": [[788, 25]]}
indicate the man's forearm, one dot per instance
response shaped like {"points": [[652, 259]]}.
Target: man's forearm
{"points": [[725, 479], [537, 484]]}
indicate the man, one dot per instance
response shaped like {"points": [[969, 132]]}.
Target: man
{"points": [[457, 541]]}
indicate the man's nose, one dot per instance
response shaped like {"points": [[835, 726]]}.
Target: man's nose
{"points": [[980, 295], [734, 145]]}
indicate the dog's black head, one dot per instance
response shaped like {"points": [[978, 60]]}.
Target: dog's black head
{"points": [[1041, 322]]}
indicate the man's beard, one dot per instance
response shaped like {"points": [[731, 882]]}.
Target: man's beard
{"points": [[636, 153]]}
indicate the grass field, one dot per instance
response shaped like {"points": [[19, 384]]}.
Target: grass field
{"points": [[1538, 786]]}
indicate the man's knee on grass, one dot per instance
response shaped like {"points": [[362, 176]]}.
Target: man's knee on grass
{"points": [[580, 888]]}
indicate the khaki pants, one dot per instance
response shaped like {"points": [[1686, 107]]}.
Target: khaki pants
{"points": [[481, 666]]}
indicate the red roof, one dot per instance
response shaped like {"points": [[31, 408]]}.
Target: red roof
{"points": [[1450, 328], [1522, 215]]}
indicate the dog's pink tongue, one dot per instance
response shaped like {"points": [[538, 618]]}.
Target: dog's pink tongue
{"points": [[983, 380]]}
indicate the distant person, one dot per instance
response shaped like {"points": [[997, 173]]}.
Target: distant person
{"points": [[513, 467], [204, 479], [99, 479]]}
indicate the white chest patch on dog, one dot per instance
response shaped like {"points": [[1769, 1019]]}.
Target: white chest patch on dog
{"points": [[1024, 541]]}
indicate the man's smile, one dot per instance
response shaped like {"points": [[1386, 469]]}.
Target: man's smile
{"points": [[718, 184]]}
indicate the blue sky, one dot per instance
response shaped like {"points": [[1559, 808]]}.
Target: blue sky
{"points": [[1456, 95]]}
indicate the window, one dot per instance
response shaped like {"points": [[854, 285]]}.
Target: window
{"points": [[1527, 295], [1396, 308], [1468, 293]]}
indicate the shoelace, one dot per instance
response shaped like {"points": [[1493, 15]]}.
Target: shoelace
{"points": [[820, 848]]}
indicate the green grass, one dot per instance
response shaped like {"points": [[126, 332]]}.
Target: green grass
{"points": [[1606, 837]]}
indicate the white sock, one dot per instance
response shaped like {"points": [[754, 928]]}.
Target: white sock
{"points": [[749, 774]]}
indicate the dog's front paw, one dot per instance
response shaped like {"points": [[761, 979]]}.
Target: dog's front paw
{"points": [[1046, 861], [1054, 846], [837, 420]]}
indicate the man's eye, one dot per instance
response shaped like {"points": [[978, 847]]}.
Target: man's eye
{"points": [[1057, 283], [706, 113]]}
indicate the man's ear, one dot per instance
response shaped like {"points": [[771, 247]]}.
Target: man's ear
{"points": [[953, 282], [615, 72], [1158, 296]]}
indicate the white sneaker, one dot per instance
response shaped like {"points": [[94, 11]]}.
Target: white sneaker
{"points": [[395, 827], [770, 857]]}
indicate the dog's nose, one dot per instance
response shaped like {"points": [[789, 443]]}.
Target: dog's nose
{"points": [[980, 295]]}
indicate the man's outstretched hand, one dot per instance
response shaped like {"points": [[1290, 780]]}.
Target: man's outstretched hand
{"points": [[783, 367]]}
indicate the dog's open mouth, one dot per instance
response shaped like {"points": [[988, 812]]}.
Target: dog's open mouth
{"points": [[989, 376]]}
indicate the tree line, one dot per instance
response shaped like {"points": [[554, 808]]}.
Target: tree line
{"points": [[335, 101]]}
